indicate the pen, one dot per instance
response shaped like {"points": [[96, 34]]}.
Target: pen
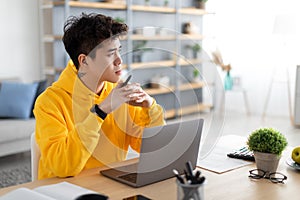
{"points": [[201, 180], [197, 175], [186, 175], [189, 169], [179, 178], [126, 82]]}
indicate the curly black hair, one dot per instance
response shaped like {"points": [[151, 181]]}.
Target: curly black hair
{"points": [[82, 34]]}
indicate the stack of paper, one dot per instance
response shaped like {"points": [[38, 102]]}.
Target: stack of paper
{"points": [[217, 161]]}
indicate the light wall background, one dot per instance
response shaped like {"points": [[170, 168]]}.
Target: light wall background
{"points": [[19, 33], [243, 32]]}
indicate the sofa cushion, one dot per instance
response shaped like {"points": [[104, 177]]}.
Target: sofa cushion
{"points": [[16, 99], [42, 85]]}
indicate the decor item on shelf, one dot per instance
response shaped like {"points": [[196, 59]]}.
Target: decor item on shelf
{"points": [[116, 1], [139, 47], [186, 28], [228, 81], [119, 19], [166, 3], [196, 76], [190, 28], [200, 4], [162, 31], [218, 60], [196, 48], [267, 145], [147, 2], [146, 31], [160, 81]]}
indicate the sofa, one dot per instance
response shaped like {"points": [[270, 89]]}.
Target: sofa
{"points": [[17, 121], [15, 135]]}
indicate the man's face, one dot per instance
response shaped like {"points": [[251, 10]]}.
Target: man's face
{"points": [[106, 66]]}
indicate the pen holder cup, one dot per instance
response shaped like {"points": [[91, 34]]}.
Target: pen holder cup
{"points": [[190, 191]]}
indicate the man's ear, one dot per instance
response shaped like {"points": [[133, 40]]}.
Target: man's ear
{"points": [[82, 60]]}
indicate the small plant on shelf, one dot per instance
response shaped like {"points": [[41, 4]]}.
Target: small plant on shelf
{"points": [[119, 19], [196, 76], [200, 4], [139, 47], [196, 48], [166, 3], [196, 73], [147, 2]]}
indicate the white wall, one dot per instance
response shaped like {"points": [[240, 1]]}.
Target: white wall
{"points": [[244, 35], [19, 49]]}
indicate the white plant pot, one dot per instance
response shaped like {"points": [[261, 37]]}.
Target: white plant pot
{"points": [[267, 162], [196, 79]]}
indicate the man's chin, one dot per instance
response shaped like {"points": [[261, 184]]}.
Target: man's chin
{"points": [[114, 80]]}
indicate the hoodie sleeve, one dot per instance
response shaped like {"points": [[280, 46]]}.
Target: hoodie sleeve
{"points": [[66, 142]]}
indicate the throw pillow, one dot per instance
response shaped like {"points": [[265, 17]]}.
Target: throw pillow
{"points": [[16, 99], [42, 85]]}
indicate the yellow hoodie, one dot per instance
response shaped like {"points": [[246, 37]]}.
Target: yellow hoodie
{"points": [[71, 138]]}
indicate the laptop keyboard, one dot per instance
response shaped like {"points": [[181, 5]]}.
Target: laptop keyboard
{"points": [[129, 177]]}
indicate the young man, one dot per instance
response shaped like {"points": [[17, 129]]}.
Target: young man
{"points": [[88, 118]]}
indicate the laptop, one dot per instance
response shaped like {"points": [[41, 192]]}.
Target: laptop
{"points": [[163, 149]]}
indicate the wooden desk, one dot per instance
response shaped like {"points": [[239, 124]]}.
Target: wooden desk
{"points": [[234, 184]]}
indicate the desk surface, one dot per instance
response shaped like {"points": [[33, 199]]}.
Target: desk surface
{"points": [[234, 184]]}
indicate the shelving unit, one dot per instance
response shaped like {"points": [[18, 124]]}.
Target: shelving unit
{"points": [[157, 9], [192, 11], [170, 89], [84, 4], [169, 97], [163, 63]]}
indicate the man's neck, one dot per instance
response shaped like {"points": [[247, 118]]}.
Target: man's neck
{"points": [[96, 87], [99, 89]]}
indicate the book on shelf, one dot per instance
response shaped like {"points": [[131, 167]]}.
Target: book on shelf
{"points": [[59, 191]]}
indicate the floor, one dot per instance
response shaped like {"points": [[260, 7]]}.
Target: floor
{"points": [[21, 159], [243, 125], [234, 123]]}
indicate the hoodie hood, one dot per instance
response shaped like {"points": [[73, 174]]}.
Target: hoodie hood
{"points": [[70, 82]]}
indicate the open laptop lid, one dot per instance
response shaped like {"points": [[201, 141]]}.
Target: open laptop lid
{"points": [[163, 149], [168, 147]]}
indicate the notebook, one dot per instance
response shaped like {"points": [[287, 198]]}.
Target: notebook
{"points": [[163, 149], [58, 191]]}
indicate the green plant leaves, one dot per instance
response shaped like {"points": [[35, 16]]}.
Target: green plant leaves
{"points": [[267, 140]]}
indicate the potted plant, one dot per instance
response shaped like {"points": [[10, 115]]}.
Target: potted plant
{"points": [[200, 4], [147, 2], [196, 76], [139, 47], [196, 48], [119, 19], [166, 3], [267, 145]]}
